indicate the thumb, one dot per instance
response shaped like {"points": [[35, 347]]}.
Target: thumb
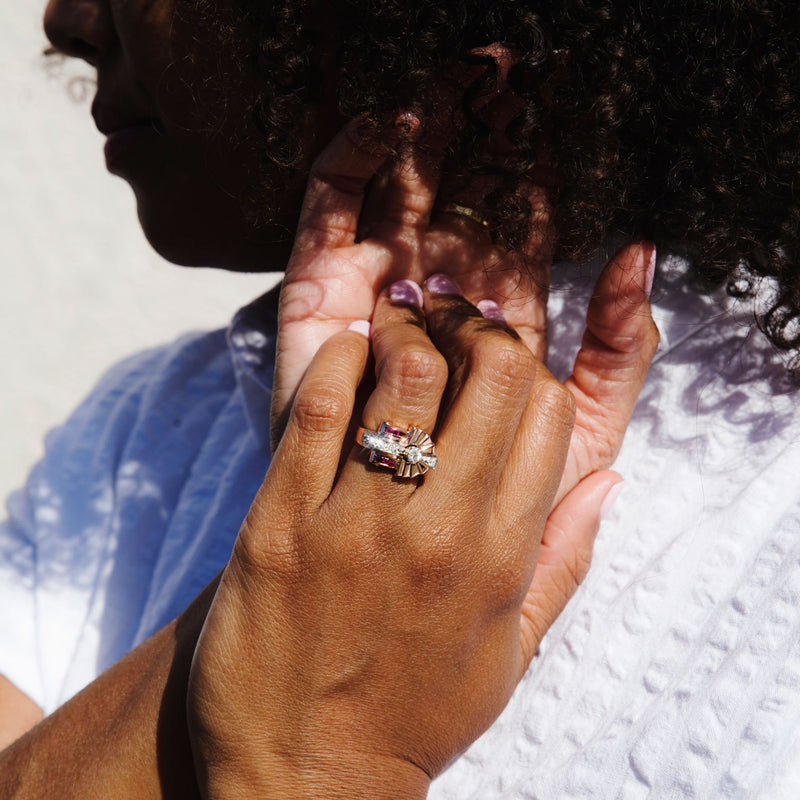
{"points": [[564, 555]]}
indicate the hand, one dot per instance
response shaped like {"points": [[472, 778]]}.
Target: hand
{"points": [[333, 279], [368, 629], [348, 248]]}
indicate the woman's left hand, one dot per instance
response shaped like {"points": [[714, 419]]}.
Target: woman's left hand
{"points": [[367, 628]]}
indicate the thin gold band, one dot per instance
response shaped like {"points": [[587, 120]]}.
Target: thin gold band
{"points": [[467, 212]]}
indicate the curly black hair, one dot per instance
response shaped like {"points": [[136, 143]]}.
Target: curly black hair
{"points": [[678, 121]]}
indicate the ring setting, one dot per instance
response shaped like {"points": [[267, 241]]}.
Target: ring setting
{"points": [[408, 453], [472, 214]]}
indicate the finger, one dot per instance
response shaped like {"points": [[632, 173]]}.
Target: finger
{"points": [[410, 372], [307, 459], [564, 556], [611, 366], [335, 192], [410, 379], [535, 464], [515, 294], [404, 193], [514, 284], [492, 373]]}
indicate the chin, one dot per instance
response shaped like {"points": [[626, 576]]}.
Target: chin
{"points": [[191, 237]]}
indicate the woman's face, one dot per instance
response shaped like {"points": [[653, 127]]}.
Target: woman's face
{"points": [[173, 103]]}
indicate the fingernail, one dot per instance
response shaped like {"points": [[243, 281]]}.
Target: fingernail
{"points": [[406, 292], [651, 273], [491, 311], [361, 326], [442, 284], [610, 499]]}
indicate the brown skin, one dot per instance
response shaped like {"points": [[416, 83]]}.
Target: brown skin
{"points": [[125, 736], [393, 634], [354, 575], [334, 276], [187, 176], [18, 713], [486, 585]]}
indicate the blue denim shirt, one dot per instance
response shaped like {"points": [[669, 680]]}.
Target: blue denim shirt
{"points": [[135, 506]]}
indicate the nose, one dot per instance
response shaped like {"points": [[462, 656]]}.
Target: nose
{"points": [[80, 28]]}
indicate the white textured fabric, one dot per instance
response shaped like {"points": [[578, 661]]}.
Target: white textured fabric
{"points": [[675, 671]]}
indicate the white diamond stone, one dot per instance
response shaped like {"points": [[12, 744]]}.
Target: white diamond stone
{"points": [[412, 455]]}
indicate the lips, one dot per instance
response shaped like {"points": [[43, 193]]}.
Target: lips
{"points": [[127, 141], [110, 119], [125, 131]]}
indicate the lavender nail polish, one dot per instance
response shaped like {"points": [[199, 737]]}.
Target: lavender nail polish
{"points": [[442, 284], [406, 292], [491, 311]]}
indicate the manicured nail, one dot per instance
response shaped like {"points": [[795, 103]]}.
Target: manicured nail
{"points": [[610, 499], [651, 273], [406, 292], [491, 311], [361, 326], [442, 284]]}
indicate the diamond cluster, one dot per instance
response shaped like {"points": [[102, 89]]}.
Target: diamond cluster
{"points": [[408, 454]]}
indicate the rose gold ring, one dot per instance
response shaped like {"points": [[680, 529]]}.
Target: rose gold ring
{"points": [[466, 212], [408, 453]]}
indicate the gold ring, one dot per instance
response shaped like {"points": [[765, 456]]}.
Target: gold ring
{"points": [[408, 453], [465, 211]]}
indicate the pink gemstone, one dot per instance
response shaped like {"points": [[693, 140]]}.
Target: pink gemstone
{"points": [[386, 428], [382, 461]]}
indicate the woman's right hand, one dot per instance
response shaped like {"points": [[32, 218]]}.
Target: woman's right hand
{"points": [[367, 629]]}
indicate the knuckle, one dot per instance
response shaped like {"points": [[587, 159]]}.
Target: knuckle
{"points": [[351, 545], [346, 350], [555, 401], [642, 336], [322, 410], [416, 371], [509, 586], [595, 444], [506, 362], [266, 550], [326, 181]]}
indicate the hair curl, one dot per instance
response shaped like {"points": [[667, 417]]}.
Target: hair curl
{"points": [[676, 121]]}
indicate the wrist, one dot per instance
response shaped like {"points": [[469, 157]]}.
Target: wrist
{"points": [[333, 776]]}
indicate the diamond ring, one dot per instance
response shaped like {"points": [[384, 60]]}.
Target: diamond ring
{"points": [[408, 453]]}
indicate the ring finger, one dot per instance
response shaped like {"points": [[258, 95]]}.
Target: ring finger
{"points": [[410, 373]]}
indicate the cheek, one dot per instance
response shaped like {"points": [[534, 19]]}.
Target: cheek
{"points": [[143, 28], [191, 55]]}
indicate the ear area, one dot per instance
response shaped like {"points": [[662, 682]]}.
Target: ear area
{"points": [[497, 59]]}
